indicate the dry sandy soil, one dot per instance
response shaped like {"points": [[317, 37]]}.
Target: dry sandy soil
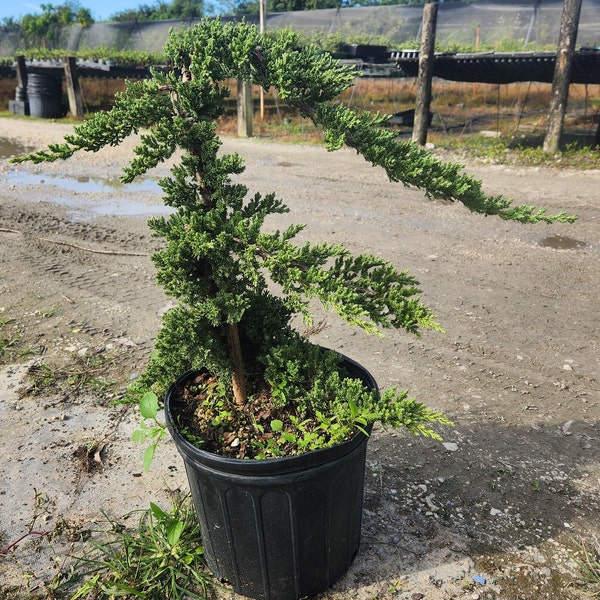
{"points": [[495, 512]]}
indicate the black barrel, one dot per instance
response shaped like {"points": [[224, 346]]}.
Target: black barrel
{"points": [[45, 95]]}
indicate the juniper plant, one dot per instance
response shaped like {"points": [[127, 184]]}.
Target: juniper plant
{"points": [[218, 254]]}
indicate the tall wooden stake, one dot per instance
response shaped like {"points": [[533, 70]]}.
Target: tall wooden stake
{"points": [[426, 58], [73, 89], [245, 109], [562, 75], [262, 24]]}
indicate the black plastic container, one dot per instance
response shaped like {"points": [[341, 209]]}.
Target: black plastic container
{"points": [[45, 95], [282, 528]]}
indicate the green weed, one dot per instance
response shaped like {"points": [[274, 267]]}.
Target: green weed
{"points": [[81, 372], [8, 340], [50, 312], [41, 378], [6, 343], [161, 558], [588, 561]]}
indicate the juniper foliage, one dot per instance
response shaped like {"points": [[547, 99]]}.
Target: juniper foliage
{"points": [[218, 257]]}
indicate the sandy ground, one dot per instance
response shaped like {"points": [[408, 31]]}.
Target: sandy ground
{"points": [[495, 512]]}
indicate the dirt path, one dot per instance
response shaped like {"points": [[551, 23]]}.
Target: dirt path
{"points": [[507, 496]]}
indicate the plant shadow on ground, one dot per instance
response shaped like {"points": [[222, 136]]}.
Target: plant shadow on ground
{"points": [[502, 496]]}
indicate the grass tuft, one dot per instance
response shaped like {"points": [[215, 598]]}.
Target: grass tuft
{"points": [[588, 561], [160, 558]]}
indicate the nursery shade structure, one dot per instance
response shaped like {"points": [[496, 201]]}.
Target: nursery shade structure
{"points": [[459, 23], [503, 67]]}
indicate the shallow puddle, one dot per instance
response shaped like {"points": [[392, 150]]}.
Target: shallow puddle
{"points": [[560, 242], [83, 207], [82, 184], [81, 210], [72, 194], [8, 148]]}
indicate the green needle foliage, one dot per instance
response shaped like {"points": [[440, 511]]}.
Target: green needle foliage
{"points": [[219, 260]]}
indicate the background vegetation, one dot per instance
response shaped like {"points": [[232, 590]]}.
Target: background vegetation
{"points": [[497, 123], [511, 117], [70, 11]]}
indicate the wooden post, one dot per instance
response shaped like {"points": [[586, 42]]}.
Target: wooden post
{"points": [[21, 72], [73, 89], [562, 75], [245, 109], [263, 25], [20, 105], [426, 58]]}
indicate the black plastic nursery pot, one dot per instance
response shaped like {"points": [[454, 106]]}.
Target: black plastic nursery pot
{"points": [[281, 528]]}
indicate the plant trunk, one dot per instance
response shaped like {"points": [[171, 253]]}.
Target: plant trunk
{"points": [[238, 379]]}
